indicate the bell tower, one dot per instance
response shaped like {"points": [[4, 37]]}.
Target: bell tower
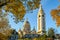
{"points": [[41, 21]]}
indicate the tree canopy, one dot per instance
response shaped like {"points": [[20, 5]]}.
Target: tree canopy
{"points": [[51, 32], [55, 13], [19, 8]]}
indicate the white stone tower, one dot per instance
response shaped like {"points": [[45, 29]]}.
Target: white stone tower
{"points": [[41, 21]]}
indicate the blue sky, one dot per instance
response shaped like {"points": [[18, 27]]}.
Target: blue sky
{"points": [[47, 6]]}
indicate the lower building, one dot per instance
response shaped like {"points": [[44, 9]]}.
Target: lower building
{"points": [[40, 24], [27, 32]]}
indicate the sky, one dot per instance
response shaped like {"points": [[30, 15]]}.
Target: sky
{"points": [[47, 6]]}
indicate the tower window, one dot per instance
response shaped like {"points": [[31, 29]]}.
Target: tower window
{"points": [[39, 15]]}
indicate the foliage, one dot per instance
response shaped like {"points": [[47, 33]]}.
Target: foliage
{"points": [[4, 33], [3, 37], [25, 39], [19, 8], [5, 30], [13, 36], [55, 13], [42, 37], [51, 33]]}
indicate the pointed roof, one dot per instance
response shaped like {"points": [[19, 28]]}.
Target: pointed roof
{"points": [[26, 21], [40, 7], [40, 10], [26, 24], [34, 29]]}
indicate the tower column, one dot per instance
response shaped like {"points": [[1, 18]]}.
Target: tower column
{"points": [[41, 21]]}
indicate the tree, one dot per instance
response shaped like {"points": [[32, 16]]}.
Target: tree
{"points": [[19, 8], [43, 37], [3, 37], [14, 35], [51, 33], [5, 28], [55, 13]]}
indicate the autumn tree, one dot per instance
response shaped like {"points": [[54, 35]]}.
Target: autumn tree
{"points": [[55, 13], [5, 28], [19, 8], [3, 37]]}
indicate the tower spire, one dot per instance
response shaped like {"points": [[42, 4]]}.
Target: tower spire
{"points": [[40, 12], [41, 20], [40, 7]]}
